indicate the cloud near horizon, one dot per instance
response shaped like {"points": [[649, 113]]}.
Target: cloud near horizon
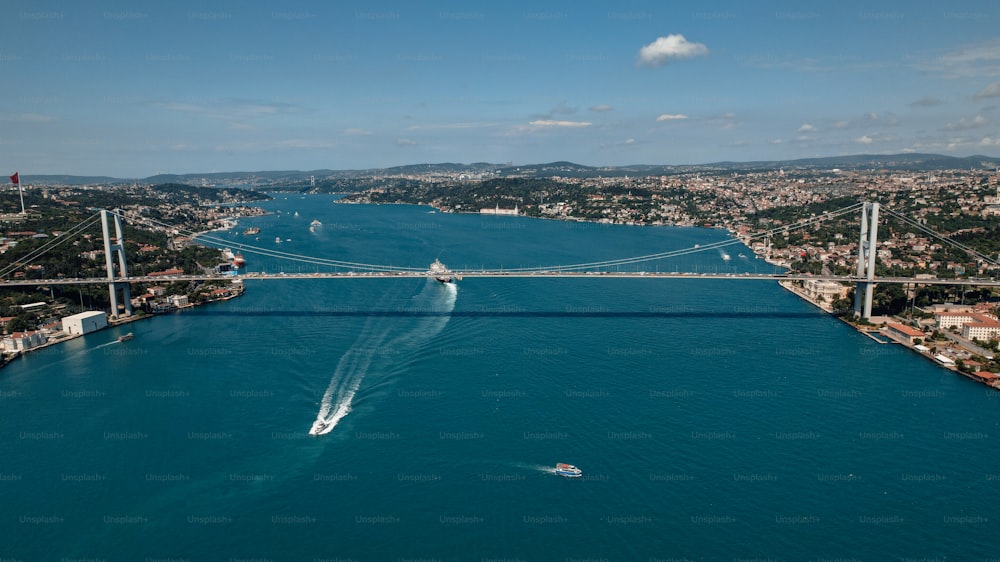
{"points": [[671, 117], [990, 91], [557, 123], [674, 46]]}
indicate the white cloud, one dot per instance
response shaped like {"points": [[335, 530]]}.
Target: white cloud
{"points": [[807, 128], [965, 124], [970, 61], [546, 123], [777, 141], [673, 46], [671, 117], [874, 138], [841, 124], [406, 142], [602, 107], [356, 131], [987, 141], [464, 125], [990, 91], [629, 141]]}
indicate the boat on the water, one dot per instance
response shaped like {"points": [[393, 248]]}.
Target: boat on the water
{"points": [[126, 337], [251, 231], [277, 240], [568, 470], [239, 261], [441, 273], [318, 427]]}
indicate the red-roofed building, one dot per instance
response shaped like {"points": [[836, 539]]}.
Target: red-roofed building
{"points": [[173, 271], [981, 327], [903, 333]]}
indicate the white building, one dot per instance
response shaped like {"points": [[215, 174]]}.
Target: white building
{"points": [[947, 320], [20, 341], [828, 290], [981, 328], [498, 211], [85, 322]]}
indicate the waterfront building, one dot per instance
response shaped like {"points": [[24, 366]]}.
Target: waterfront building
{"points": [[179, 300], [498, 211], [903, 333], [22, 341], [84, 322], [824, 291]]}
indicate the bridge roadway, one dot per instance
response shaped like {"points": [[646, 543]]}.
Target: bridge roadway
{"points": [[977, 282]]}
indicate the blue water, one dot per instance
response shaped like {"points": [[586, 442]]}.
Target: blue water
{"points": [[713, 419]]}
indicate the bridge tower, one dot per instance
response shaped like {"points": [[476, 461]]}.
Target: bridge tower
{"points": [[867, 248], [111, 251]]}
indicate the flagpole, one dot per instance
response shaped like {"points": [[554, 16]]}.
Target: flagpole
{"points": [[20, 191]]}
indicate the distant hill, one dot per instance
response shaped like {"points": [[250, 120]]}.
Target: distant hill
{"points": [[62, 179], [902, 162]]}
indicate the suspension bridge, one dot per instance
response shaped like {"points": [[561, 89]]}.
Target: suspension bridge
{"points": [[118, 280]]}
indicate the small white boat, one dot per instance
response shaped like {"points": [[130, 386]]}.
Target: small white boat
{"points": [[568, 470]]}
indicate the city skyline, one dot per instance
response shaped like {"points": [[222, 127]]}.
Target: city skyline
{"points": [[127, 89]]}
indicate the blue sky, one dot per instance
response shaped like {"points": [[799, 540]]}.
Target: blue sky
{"points": [[131, 89]]}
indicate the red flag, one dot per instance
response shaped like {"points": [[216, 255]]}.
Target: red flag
{"points": [[15, 179]]}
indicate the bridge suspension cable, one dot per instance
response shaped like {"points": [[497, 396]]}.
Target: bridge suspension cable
{"points": [[551, 268], [43, 249], [942, 237], [686, 251], [279, 254]]}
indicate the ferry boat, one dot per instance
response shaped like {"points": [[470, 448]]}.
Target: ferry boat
{"points": [[568, 470], [314, 225], [126, 337], [441, 272], [251, 231], [239, 261]]}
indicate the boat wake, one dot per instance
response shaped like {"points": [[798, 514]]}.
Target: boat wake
{"points": [[377, 343]]}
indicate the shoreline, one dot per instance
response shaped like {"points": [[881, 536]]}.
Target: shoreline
{"points": [[788, 285], [112, 323]]}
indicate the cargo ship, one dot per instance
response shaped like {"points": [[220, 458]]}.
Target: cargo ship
{"points": [[237, 260]]}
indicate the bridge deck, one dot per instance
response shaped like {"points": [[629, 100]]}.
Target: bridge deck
{"points": [[500, 274]]}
